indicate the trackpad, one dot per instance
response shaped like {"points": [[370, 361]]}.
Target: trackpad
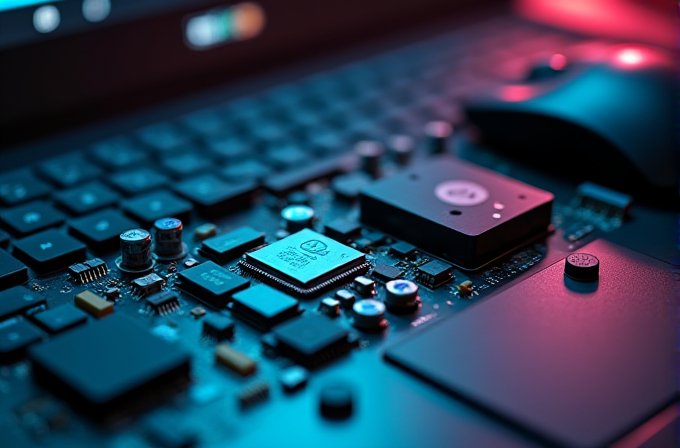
{"points": [[577, 363]]}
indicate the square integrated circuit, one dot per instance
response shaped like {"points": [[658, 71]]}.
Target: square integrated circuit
{"points": [[305, 263]]}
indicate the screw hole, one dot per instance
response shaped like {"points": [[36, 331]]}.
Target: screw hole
{"points": [[521, 196], [455, 212], [413, 177]]}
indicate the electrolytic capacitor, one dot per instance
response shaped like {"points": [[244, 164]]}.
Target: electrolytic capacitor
{"points": [[370, 154], [438, 135], [167, 239], [297, 217], [135, 250], [369, 314], [401, 295], [401, 148]]}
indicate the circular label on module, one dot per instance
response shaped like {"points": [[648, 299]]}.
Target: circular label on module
{"points": [[461, 192]]}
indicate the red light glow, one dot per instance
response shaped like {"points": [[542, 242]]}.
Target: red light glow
{"points": [[630, 56], [558, 62], [516, 93]]}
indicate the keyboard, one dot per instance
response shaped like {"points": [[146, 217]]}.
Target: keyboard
{"points": [[190, 281]]}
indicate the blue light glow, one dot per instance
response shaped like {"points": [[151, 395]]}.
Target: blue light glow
{"points": [[6, 5]]}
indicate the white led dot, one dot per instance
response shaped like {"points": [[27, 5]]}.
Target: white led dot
{"points": [[96, 10], [497, 215], [46, 19]]}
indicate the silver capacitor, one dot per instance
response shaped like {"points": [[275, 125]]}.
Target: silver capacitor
{"points": [[135, 251], [438, 135], [370, 154], [167, 239], [369, 315], [401, 295], [297, 217]]}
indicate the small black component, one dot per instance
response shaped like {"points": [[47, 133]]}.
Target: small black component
{"points": [[97, 367], [582, 267], [149, 207], [346, 298], [438, 134], [218, 327], [4, 239], [16, 335], [21, 186], [304, 263], [349, 186], [342, 230], [263, 307], [86, 198], [101, 230], [88, 271], [214, 197], [168, 430], [61, 318], [253, 393], [386, 272], [296, 178], [164, 302], [293, 378], [29, 218], [49, 250], [148, 284], [602, 200], [138, 181], [336, 402], [211, 283], [435, 273], [12, 271], [20, 300], [228, 246], [329, 307], [462, 212], [402, 249], [364, 286], [311, 340]]}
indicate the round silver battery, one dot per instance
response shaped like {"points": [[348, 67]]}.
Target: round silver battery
{"points": [[401, 294], [297, 217], [369, 314], [135, 250], [167, 239]]}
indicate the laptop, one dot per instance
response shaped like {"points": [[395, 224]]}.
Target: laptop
{"points": [[339, 223]]}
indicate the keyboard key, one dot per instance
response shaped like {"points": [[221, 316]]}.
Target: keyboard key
{"points": [[21, 186], [49, 251], [86, 198], [186, 164], [69, 170], [203, 121], [289, 156], [118, 153], [61, 318], [214, 197], [163, 137], [295, 179], [149, 207], [29, 218], [12, 271], [249, 170], [138, 181], [101, 230], [20, 300], [4, 239], [15, 336]]}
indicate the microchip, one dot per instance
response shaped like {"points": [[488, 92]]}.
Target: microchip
{"points": [[149, 284], [342, 230], [254, 393], [212, 283], [263, 307], [230, 245], [311, 340], [402, 249], [435, 273], [386, 273], [61, 318], [305, 263], [108, 365], [218, 327], [20, 300], [88, 271], [163, 302]]}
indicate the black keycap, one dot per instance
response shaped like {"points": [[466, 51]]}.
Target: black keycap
{"points": [[186, 164], [49, 250], [245, 171], [149, 207], [212, 196], [20, 300], [118, 153], [101, 230], [228, 147], [29, 218], [203, 121], [69, 170], [138, 181], [86, 198], [15, 336], [289, 156], [295, 179], [12, 271], [61, 318], [163, 137], [4, 239], [21, 186]]}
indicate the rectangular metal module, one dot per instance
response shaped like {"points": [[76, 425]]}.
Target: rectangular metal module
{"points": [[305, 263], [462, 212]]}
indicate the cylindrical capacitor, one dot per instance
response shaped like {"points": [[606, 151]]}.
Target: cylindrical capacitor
{"points": [[582, 267], [438, 134], [370, 154], [400, 149], [135, 250], [297, 217], [369, 314], [167, 238], [401, 295]]}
